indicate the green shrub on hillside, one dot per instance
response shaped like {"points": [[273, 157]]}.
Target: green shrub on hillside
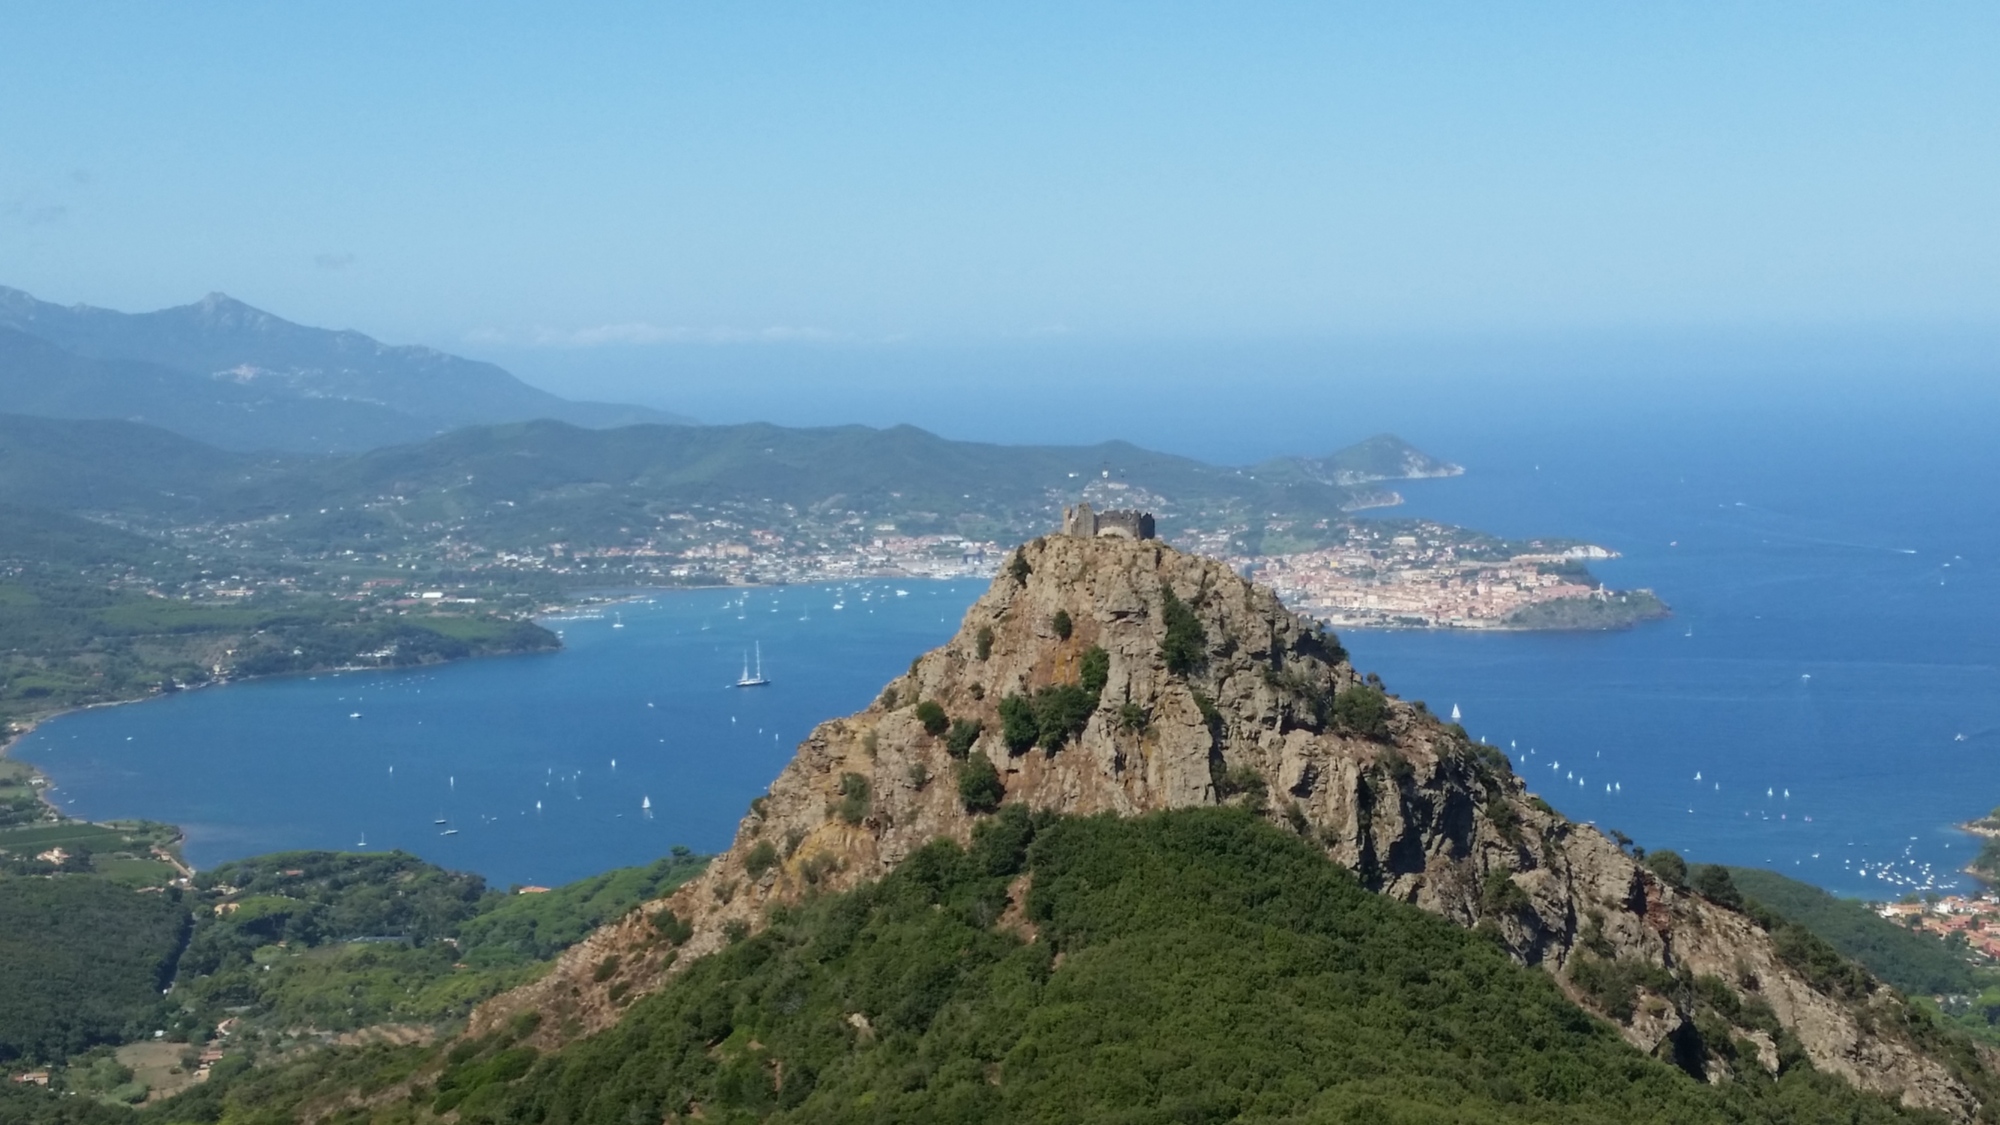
{"points": [[958, 742], [1061, 710], [1364, 710], [853, 806], [1669, 866], [1713, 883], [979, 785], [1094, 670], [1131, 717], [1018, 726], [523, 929], [1186, 644]]}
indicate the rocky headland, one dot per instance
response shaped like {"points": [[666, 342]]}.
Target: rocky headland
{"points": [[1113, 675]]}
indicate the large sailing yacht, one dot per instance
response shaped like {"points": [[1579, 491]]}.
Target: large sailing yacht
{"points": [[756, 679]]}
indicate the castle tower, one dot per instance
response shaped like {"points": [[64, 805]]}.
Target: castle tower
{"points": [[1080, 520]]}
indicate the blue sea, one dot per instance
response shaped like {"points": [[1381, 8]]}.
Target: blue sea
{"points": [[542, 767], [1831, 674]]}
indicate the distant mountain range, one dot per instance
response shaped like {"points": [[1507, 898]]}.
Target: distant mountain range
{"points": [[218, 413], [240, 378], [535, 482]]}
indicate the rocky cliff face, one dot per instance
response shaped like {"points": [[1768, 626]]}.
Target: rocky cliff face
{"points": [[1208, 690]]}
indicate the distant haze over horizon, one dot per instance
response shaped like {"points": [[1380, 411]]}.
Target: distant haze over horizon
{"points": [[1241, 401], [653, 203], [1228, 401]]}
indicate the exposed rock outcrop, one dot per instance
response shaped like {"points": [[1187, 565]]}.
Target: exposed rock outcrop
{"points": [[1212, 691]]}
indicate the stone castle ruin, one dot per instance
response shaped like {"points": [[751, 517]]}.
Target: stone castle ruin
{"points": [[1122, 523]]}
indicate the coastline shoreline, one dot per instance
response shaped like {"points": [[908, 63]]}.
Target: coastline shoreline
{"points": [[1984, 828], [28, 726]]}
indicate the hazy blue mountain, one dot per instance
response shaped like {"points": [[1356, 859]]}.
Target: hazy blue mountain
{"points": [[259, 381], [37, 377]]}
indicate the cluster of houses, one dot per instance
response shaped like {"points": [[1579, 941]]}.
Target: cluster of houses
{"points": [[1977, 919]]}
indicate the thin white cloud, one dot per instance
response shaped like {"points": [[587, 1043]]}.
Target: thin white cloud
{"points": [[631, 333]]}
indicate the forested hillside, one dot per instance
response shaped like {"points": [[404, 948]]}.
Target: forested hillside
{"points": [[82, 961], [1197, 965], [289, 948], [1192, 966]]}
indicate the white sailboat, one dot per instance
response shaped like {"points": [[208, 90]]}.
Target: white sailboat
{"points": [[1454, 713], [749, 679]]}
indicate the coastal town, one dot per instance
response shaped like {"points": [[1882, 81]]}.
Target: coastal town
{"points": [[1416, 574], [1352, 573], [1968, 921], [762, 557]]}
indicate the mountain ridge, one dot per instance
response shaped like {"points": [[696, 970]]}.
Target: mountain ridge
{"points": [[1207, 691], [528, 483], [234, 354]]}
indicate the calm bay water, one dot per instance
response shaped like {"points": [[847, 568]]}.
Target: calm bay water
{"points": [[1832, 673], [516, 753]]}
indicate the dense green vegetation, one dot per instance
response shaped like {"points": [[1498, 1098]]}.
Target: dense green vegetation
{"points": [[310, 898], [1987, 862], [1186, 643], [1363, 709], [520, 929], [341, 940], [1190, 966], [321, 940], [1613, 610], [1916, 963], [82, 961], [1054, 713]]}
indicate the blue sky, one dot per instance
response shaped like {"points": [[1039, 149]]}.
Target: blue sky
{"points": [[597, 192]]}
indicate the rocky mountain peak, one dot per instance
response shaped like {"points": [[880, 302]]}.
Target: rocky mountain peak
{"points": [[1118, 675]]}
